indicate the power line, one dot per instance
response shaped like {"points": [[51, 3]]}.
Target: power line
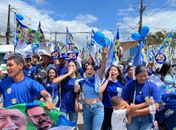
{"points": [[165, 5]]}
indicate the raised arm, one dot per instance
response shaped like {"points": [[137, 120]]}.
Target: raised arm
{"points": [[103, 63], [60, 78], [103, 86]]}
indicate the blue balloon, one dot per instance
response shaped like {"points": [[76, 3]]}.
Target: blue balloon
{"points": [[136, 36], [107, 41], [170, 35], [19, 16], [34, 47], [144, 31], [98, 36]]}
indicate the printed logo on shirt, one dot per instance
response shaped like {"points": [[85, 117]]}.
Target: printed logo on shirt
{"points": [[48, 85], [29, 73], [14, 100], [9, 90]]}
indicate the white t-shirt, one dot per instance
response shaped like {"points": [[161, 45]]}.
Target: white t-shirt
{"points": [[119, 120]]}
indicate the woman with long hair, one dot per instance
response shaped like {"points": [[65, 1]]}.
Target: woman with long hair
{"points": [[93, 110], [50, 86], [69, 98], [112, 86], [167, 75]]}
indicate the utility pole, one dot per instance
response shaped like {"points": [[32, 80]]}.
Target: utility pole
{"points": [[8, 27], [142, 8], [55, 37]]}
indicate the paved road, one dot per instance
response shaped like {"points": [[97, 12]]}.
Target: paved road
{"points": [[80, 121]]}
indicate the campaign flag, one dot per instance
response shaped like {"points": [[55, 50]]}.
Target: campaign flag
{"points": [[43, 45], [39, 28], [34, 116], [26, 38], [140, 56], [165, 48], [151, 55], [92, 41], [88, 46], [69, 38], [110, 58], [117, 44]]}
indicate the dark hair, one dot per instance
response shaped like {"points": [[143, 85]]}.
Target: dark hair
{"points": [[49, 71], [157, 71], [129, 67], [164, 70], [139, 69], [47, 75], [76, 64], [17, 59], [36, 56], [92, 60], [119, 77], [88, 63], [33, 31], [116, 100]]}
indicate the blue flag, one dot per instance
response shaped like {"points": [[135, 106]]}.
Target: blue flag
{"points": [[92, 42], [139, 58], [151, 55], [69, 37], [39, 28]]}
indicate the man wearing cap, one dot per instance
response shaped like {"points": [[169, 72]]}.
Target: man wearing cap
{"points": [[17, 88]]}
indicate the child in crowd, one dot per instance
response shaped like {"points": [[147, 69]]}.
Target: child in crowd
{"points": [[122, 112]]}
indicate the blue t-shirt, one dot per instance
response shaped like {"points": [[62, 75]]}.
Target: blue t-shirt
{"points": [[110, 91], [128, 79], [68, 95], [24, 91], [51, 88], [90, 88], [142, 91], [61, 69], [29, 71]]}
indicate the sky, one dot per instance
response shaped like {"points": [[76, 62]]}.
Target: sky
{"points": [[85, 15]]}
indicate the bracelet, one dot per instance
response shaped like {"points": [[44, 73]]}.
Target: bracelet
{"points": [[49, 100]]}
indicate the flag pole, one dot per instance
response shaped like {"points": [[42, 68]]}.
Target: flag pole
{"points": [[15, 43]]}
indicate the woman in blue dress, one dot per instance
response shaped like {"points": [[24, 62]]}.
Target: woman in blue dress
{"points": [[136, 92], [112, 86]]}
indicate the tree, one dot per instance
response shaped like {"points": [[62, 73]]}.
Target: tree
{"points": [[155, 38]]}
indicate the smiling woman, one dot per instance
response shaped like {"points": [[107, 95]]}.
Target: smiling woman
{"points": [[136, 92]]}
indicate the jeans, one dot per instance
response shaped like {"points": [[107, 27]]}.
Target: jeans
{"points": [[72, 116], [140, 123], [93, 115]]}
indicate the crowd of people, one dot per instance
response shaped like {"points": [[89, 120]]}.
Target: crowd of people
{"points": [[116, 97]]}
